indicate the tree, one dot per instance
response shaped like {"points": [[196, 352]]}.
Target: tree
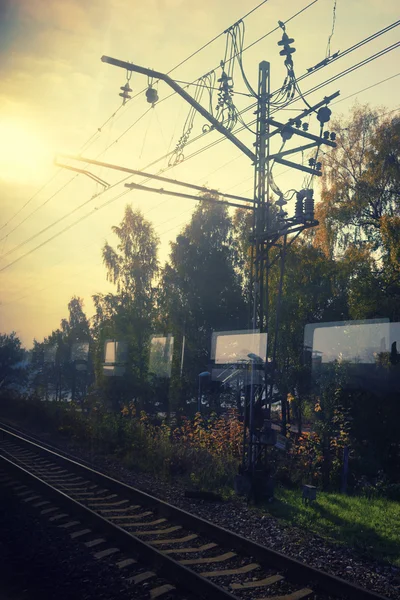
{"points": [[76, 327], [359, 212], [128, 315], [11, 358], [201, 292], [360, 182]]}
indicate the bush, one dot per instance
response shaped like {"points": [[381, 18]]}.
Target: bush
{"points": [[392, 491], [204, 451]]}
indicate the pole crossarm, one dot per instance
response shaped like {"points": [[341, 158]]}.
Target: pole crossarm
{"points": [[144, 188], [294, 130], [308, 111], [287, 230], [293, 150], [177, 88], [193, 186], [293, 165]]}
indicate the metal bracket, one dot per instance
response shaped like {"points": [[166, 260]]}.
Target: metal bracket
{"points": [[293, 165], [84, 172]]}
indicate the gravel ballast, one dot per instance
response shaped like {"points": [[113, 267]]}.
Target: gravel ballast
{"points": [[40, 560], [235, 515]]}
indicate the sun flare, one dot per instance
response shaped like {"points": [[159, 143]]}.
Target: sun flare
{"points": [[25, 154]]}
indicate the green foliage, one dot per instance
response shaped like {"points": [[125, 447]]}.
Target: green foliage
{"points": [[200, 291], [372, 526], [346, 268], [11, 357], [128, 315], [53, 368]]}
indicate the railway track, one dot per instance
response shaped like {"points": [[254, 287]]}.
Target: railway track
{"points": [[193, 555]]}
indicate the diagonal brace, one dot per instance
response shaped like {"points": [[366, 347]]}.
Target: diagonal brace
{"points": [[177, 88]]}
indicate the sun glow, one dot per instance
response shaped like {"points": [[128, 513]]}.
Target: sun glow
{"points": [[25, 154]]}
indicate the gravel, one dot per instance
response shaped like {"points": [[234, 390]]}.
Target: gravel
{"points": [[235, 515], [40, 560]]}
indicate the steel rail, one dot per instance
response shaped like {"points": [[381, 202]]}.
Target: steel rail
{"points": [[295, 571], [166, 566]]}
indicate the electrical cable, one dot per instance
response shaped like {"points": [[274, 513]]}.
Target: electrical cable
{"points": [[82, 148], [328, 47], [319, 86], [196, 80], [366, 88], [90, 140], [57, 192], [334, 58], [63, 230], [344, 53]]}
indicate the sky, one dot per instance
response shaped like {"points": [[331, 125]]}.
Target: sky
{"points": [[58, 97]]}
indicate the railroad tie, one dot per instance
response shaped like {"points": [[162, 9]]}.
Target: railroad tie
{"points": [[105, 504], [21, 494], [190, 550], [18, 488], [96, 542], [105, 553], [156, 531], [138, 516], [122, 510], [80, 533], [142, 577], [161, 590], [146, 524], [126, 563], [41, 503], [205, 560], [229, 572], [58, 517], [69, 524], [181, 540], [257, 583], [94, 499], [303, 593], [49, 510]]}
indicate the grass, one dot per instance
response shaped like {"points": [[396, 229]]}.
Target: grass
{"points": [[370, 525]]}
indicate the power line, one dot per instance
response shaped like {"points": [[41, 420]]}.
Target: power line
{"points": [[90, 140], [57, 192], [334, 58], [319, 86], [367, 88], [328, 47], [84, 146], [344, 53], [307, 74], [37, 208], [194, 82], [63, 231]]}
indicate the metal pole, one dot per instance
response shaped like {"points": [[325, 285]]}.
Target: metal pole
{"points": [[199, 397], [261, 203]]}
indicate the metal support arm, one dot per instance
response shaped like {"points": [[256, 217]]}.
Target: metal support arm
{"points": [[177, 88]]}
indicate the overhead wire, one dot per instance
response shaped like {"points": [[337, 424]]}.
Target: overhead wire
{"points": [[350, 69], [328, 47], [82, 148], [366, 88], [72, 211], [92, 137], [63, 231], [307, 74], [197, 79], [342, 54], [345, 72]]}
